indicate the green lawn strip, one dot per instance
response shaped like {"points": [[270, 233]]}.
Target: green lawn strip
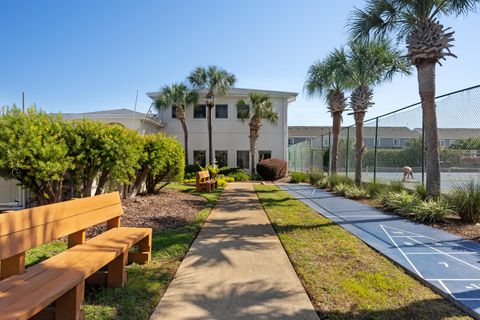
{"points": [[345, 278], [146, 284]]}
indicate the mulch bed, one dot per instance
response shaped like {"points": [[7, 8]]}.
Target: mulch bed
{"points": [[168, 209]]}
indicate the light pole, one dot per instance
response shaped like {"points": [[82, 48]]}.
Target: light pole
{"points": [[209, 102]]}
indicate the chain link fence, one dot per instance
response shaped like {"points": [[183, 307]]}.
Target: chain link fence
{"points": [[396, 139]]}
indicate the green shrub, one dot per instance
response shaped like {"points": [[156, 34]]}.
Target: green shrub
{"points": [[401, 202], [298, 177], [240, 176], [354, 192], [192, 168], [374, 188], [465, 200], [431, 210], [341, 188], [228, 171], [272, 169], [315, 176], [421, 191], [396, 186], [337, 179], [190, 181], [322, 183]]}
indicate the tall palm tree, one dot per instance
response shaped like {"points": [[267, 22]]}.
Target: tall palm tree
{"points": [[329, 79], [178, 96], [262, 109], [370, 63], [428, 42], [216, 82]]}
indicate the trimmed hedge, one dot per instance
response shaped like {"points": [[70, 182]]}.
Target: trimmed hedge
{"points": [[272, 169]]}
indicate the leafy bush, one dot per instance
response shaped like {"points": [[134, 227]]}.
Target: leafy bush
{"points": [[315, 176], [354, 192], [341, 188], [322, 183], [421, 191], [240, 176], [272, 169], [192, 168], [228, 171], [396, 186], [298, 177], [374, 188], [431, 210], [337, 179], [465, 200], [223, 181], [401, 202]]}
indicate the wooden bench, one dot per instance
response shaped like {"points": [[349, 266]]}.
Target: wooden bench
{"points": [[203, 182], [54, 288]]}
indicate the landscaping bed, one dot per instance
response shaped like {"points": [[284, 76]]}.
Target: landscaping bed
{"points": [[344, 277], [173, 234]]}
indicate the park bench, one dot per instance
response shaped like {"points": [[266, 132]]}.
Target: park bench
{"points": [[203, 181], [54, 288]]}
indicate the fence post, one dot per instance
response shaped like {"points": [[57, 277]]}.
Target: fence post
{"points": [[346, 152], [375, 153]]}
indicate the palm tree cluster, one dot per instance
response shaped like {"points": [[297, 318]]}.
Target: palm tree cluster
{"points": [[370, 59], [214, 82]]}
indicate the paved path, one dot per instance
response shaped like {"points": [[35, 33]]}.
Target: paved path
{"points": [[446, 262], [236, 268]]}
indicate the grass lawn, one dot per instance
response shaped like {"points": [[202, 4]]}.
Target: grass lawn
{"points": [[146, 284], [344, 277]]}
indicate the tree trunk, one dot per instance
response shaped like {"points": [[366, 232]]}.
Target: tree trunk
{"points": [[255, 125], [102, 181], [426, 85], [140, 179], [359, 146], [210, 151], [253, 147], [185, 139], [337, 119]]}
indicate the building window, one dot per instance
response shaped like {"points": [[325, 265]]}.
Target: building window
{"points": [[442, 143], [200, 111], [243, 111], [326, 141], [378, 142], [200, 157], [262, 155], [174, 111], [242, 159], [221, 111], [221, 157], [291, 141], [396, 142]]}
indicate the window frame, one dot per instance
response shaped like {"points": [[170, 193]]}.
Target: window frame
{"points": [[226, 158], [197, 106], [396, 145], [247, 167], [174, 112], [222, 105], [264, 151], [238, 112], [205, 157]]}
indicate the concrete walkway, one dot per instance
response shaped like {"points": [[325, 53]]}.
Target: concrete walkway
{"points": [[236, 268]]}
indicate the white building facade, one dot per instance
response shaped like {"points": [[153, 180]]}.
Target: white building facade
{"points": [[230, 132]]}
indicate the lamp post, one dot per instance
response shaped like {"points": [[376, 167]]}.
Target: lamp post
{"points": [[209, 102]]}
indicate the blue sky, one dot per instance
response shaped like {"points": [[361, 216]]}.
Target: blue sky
{"points": [[75, 56]]}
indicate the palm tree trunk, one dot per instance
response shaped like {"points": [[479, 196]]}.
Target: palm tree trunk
{"points": [[426, 85], [210, 151], [185, 139], [359, 146], [337, 118], [253, 147]]}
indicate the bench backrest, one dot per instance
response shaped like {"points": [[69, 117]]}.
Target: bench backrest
{"points": [[29, 228], [202, 176]]}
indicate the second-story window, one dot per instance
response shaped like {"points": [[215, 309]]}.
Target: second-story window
{"points": [[221, 111], [243, 111], [200, 111], [174, 111]]}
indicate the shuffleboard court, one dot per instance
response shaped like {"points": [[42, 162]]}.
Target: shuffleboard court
{"points": [[449, 263]]}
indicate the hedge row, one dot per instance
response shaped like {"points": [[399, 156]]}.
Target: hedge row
{"points": [[58, 159]]}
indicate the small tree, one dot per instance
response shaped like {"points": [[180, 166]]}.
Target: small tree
{"points": [[217, 82], [178, 96], [34, 152], [261, 109]]}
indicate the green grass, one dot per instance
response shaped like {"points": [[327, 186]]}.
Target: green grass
{"points": [[146, 284], [345, 278]]}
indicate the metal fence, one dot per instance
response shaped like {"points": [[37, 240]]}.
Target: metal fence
{"points": [[396, 139]]}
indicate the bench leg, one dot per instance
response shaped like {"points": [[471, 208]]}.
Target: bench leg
{"points": [[117, 276], [12, 266], [144, 253], [67, 307]]}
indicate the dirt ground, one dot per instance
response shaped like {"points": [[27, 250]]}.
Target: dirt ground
{"points": [[168, 209]]}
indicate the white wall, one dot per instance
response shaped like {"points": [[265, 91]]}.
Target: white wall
{"points": [[231, 134]]}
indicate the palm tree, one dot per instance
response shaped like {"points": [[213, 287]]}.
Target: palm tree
{"points": [[329, 79], [428, 42], [262, 109], [216, 82], [178, 96], [370, 63]]}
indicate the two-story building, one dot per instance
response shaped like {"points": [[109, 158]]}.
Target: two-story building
{"points": [[230, 130]]}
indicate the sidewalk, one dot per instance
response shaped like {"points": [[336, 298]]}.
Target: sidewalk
{"points": [[236, 268]]}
